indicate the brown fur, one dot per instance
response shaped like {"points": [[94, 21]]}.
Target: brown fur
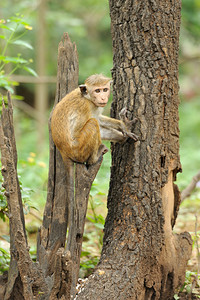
{"points": [[74, 131], [77, 125], [97, 79]]}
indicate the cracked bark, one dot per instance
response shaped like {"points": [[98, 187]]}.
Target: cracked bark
{"points": [[141, 257], [55, 273], [53, 255]]}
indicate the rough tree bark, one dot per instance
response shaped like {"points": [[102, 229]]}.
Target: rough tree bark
{"points": [[24, 277], [141, 257], [55, 274], [52, 253]]}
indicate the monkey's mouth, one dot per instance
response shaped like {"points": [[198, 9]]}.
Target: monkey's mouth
{"points": [[102, 104]]}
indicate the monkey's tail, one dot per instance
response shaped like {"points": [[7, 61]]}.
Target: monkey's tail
{"points": [[70, 169]]}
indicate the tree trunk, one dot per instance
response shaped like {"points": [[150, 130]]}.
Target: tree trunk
{"points": [[52, 252], [141, 257], [55, 274], [24, 277]]}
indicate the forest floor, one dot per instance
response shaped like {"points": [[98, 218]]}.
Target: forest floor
{"points": [[186, 221], [189, 220]]}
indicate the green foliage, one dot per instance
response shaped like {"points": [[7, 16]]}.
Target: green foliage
{"points": [[88, 263], [33, 173], [3, 201], [93, 234], [33, 252], [4, 260], [96, 219], [32, 160], [26, 199], [189, 277], [191, 17], [11, 32], [88, 25], [189, 140]]}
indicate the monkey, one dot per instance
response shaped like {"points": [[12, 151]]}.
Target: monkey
{"points": [[78, 128]]}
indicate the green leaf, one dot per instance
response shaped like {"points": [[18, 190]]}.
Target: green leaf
{"points": [[6, 27], [6, 84], [9, 88], [90, 219], [188, 288], [3, 203], [2, 37], [3, 251], [101, 219], [85, 253], [3, 82], [17, 97], [30, 70], [19, 21], [15, 60], [22, 43], [98, 225], [2, 216]]}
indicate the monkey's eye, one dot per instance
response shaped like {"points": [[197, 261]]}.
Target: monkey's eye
{"points": [[105, 90], [97, 90]]}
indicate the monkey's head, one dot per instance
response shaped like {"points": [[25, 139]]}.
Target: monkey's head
{"points": [[96, 89]]}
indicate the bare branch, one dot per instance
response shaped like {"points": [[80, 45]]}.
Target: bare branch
{"points": [[188, 190]]}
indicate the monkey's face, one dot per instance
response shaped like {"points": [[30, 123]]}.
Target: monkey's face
{"points": [[100, 94]]}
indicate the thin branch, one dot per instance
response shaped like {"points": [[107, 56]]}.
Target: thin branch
{"points": [[26, 108], [188, 190], [31, 79]]}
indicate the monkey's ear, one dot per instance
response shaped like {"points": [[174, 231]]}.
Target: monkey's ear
{"points": [[83, 89]]}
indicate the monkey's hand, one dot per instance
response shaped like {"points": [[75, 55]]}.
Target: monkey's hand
{"points": [[124, 117], [131, 135], [126, 129]]}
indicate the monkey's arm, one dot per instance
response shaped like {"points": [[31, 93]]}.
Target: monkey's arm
{"points": [[110, 122], [111, 134], [116, 130]]}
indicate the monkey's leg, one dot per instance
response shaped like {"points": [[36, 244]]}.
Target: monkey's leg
{"points": [[88, 142]]}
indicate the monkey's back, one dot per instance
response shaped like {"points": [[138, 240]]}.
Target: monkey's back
{"points": [[68, 118]]}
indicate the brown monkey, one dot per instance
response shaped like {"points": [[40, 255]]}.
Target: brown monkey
{"points": [[78, 125]]}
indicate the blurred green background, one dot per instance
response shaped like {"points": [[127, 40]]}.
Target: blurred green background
{"points": [[88, 25]]}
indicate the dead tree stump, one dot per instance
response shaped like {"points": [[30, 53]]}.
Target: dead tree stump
{"points": [[55, 273]]}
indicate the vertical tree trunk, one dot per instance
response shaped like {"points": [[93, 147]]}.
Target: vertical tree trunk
{"points": [[52, 254], [141, 257], [52, 235], [7, 134], [24, 278]]}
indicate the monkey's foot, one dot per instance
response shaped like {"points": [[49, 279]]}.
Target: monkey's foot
{"points": [[102, 149]]}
